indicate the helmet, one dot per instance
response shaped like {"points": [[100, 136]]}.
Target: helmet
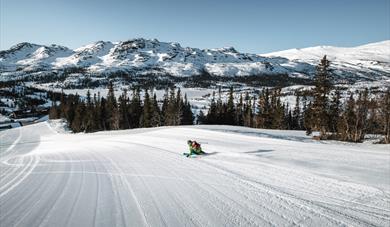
{"points": [[189, 141]]}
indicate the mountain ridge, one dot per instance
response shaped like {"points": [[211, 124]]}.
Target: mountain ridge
{"points": [[150, 56]]}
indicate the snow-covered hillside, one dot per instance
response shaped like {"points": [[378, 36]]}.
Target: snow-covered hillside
{"points": [[145, 56], [139, 178], [363, 60]]}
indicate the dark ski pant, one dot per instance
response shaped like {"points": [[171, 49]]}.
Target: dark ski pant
{"points": [[195, 151]]}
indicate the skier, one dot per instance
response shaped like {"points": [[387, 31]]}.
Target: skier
{"points": [[194, 148]]}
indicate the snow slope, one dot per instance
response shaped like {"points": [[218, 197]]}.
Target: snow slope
{"points": [[371, 52], [150, 56], [364, 59], [139, 178]]}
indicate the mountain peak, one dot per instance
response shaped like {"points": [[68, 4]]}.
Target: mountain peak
{"points": [[170, 58]]}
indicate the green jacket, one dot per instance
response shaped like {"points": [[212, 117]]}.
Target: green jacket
{"points": [[194, 150]]}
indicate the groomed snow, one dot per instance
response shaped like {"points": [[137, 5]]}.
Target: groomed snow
{"points": [[139, 178]]}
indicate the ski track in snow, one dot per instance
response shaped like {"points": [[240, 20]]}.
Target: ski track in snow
{"points": [[139, 178]]}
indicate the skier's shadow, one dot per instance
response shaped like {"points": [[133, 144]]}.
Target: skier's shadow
{"points": [[211, 153], [257, 152]]}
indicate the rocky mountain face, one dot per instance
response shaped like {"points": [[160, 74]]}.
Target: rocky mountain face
{"points": [[153, 58]]}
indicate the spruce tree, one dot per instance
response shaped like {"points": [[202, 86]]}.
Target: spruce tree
{"points": [[296, 114], [172, 109], [302, 115], [188, 116], [146, 116], [78, 123], [89, 117], [155, 111], [308, 119], [220, 111], [54, 110], [97, 120], [70, 108], [123, 110], [230, 109], [135, 110], [164, 108], [248, 114], [212, 113], [105, 123], [112, 109], [277, 110], [201, 118], [178, 109], [320, 103], [239, 112], [266, 113], [335, 112], [288, 120]]}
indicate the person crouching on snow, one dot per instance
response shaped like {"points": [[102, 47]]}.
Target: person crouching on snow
{"points": [[194, 148]]}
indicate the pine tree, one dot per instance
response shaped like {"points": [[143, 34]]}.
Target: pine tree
{"points": [[266, 114], [97, 119], [248, 114], [230, 109], [308, 119], [155, 111], [296, 114], [320, 103], [188, 116], [123, 110], [212, 113], [54, 111], [201, 118], [112, 109], [89, 117], [277, 110], [135, 110], [63, 106], [288, 120], [70, 108], [335, 112], [105, 123], [178, 109], [302, 116], [146, 116], [164, 108], [78, 123], [239, 112], [220, 111], [254, 109], [172, 109]]}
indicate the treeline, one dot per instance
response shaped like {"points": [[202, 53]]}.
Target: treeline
{"points": [[316, 110], [263, 111], [98, 113]]}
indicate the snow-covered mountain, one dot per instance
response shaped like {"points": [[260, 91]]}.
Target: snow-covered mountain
{"points": [[144, 56], [364, 60]]}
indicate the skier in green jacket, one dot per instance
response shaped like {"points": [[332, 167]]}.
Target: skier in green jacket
{"points": [[194, 148]]}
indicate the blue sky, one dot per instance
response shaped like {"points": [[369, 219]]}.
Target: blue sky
{"points": [[254, 26]]}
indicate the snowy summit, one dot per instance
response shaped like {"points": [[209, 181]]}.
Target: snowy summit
{"points": [[144, 56]]}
